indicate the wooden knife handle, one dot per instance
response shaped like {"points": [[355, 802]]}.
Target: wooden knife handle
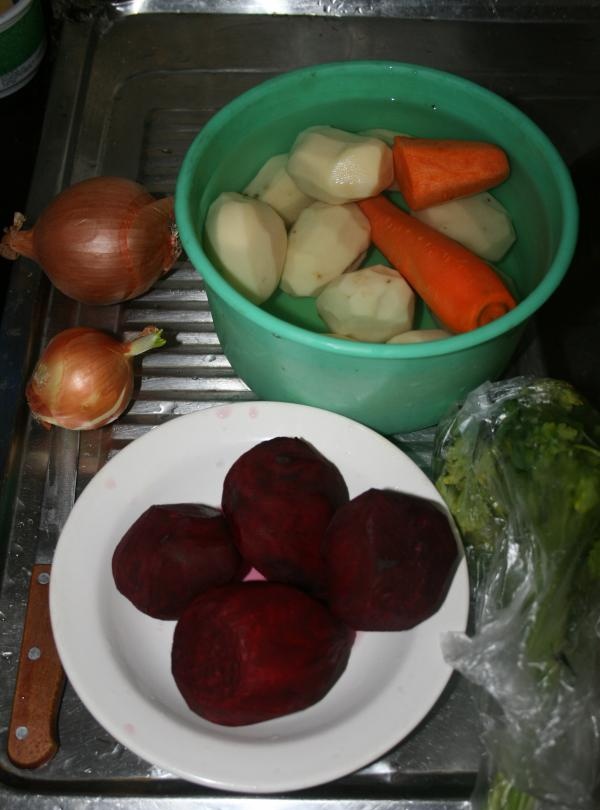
{"points": [[32, 733]]}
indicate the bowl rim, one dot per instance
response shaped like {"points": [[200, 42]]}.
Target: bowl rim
{"points": [[192, 244]]}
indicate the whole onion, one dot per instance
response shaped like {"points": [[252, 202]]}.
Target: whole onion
{"points": [[84, 377], [101, 241]]}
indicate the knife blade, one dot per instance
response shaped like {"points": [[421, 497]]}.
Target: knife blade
{"points": [[40, 680]]}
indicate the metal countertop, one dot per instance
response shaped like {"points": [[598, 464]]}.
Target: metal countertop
{"points": [[129, 93]]}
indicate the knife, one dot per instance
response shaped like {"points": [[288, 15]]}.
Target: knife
{"points": [[33, 728], [32, 732]]}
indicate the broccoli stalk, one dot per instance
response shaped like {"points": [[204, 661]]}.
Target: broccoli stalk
{"points": [[519, 468], [503, 795]]}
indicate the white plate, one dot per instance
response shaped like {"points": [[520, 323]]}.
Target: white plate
{"points": [[118, 659]]}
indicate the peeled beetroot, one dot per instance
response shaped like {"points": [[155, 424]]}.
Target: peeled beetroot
{"points": [[170, 554], [390, 558], [279, 497], [251, 651]]}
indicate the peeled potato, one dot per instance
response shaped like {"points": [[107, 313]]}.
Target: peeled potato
{"points": [[325, 241], [478, 222], [420, 336], [372, 304], [274, 186], [336, 167], [249, 242], [385, 135]]}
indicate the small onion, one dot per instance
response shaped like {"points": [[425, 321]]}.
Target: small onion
{"points": [[84, 378], [101, 241]]}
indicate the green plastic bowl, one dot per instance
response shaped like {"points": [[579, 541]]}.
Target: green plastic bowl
{"points": [[281, 350]]}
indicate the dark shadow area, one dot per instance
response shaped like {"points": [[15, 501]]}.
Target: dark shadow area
{"points": [[569, 323], [21, 121]]}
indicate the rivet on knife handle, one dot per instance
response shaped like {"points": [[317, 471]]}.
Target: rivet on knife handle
{"points": [[32, 734]]}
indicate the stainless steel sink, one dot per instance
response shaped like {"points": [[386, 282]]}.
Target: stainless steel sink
{"points": [[130, 91]]}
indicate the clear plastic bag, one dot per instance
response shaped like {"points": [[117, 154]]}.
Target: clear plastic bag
{"points": [[519, 466], [418, 446]]}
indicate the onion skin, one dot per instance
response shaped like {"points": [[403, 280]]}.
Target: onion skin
{"points": [[84, 378], [101, 241]]}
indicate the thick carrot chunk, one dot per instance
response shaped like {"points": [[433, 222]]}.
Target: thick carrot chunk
{"points": [[431, 171]]}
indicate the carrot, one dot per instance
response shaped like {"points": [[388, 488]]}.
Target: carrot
{"points": [[431, 171], [459, 288]]}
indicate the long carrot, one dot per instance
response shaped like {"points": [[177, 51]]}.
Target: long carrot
{"points": [[458, 287], [431, 171]]}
